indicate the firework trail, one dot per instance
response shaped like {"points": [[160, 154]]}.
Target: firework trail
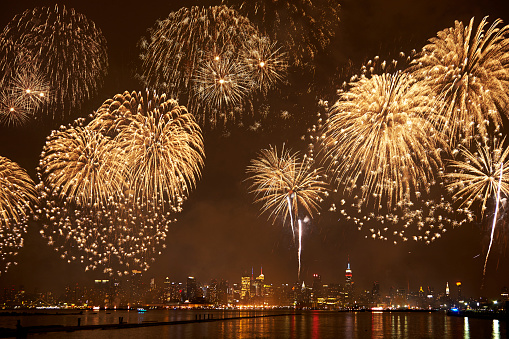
{"points": [[17, 197], [466, 70], [65, 45], [283, 183], [494, 220], [300, 247]]}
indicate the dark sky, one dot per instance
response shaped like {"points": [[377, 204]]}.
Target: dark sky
{"points": [[220, 233]]}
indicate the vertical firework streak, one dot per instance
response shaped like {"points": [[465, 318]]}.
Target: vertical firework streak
{"points": [[291, 215], [300, 246], [494, 218]]}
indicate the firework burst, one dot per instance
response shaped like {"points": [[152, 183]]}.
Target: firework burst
{"points": [[475, 177], [378, 136], [110, 187], [206, 56], [17, 197], [31, 87], [266, 62], [466, 70], [162, 141], [221, 82], [178, 44], [283, 183], [13, 110], [82, 166], [63, 43]]}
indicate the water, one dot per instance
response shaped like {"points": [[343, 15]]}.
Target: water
{"points": [[307, 324]]}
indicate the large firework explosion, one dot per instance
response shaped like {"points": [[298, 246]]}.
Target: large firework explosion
{"points": [[65, 45], [378, 137], [162, 142], [304, 27], [110, 188], [17, 196], [206, 55], [466, 71], [283, 183]]}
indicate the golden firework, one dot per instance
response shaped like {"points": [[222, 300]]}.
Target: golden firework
{"points": [[82, 166], [476, 176], [68, 49], [466, 71], [379, 136], [17, 198], [283, 183]]}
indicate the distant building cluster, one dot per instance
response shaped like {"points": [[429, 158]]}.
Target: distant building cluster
{"points": [[251, 292]]}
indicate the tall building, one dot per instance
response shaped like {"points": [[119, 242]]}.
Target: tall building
{"points": [[375, 292], [348, 285], [317, 288], [447, 289], [245, 287], [458, 284], [191, 289]]}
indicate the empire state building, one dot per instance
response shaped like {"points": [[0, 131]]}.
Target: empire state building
{"points": [[348, 285]]}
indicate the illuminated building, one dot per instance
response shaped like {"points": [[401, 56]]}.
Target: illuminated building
{"points": [[245, 287], [317, 292], [458, 284], [348, 286], [212, 295], [191, 289], [375, 292], [447, 289]]}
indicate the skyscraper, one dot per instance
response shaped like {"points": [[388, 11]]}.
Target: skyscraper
{"points": [[191, 289], [458, 284], [245, 287], [348, 285]]}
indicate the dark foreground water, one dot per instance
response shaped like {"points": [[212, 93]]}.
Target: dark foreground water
{"points": [[305, 324]]}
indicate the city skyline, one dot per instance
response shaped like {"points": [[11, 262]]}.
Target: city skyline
{"points": [[220, 231], [251, 291]]}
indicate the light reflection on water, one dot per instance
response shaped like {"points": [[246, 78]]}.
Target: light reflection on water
{"points": [[466, 328], [307, 324], [496, 329]]}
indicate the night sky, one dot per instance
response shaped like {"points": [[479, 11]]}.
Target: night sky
{"points": [[220, 233]]}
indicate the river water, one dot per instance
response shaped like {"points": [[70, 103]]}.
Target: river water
{"points": [[302, 324]]}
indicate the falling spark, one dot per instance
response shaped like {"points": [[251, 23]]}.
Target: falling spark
{"points": [[300, 246], [494, 219]]}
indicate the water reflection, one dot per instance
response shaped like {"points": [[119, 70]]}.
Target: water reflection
{"points": [[301, 324], [466, 328], [496, 329], [377, 327]]}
